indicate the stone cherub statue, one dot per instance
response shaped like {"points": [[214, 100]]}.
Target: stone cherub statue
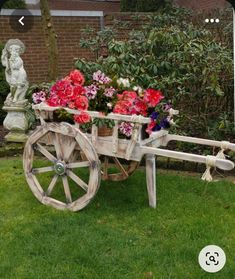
{"points": [[15, 73]]}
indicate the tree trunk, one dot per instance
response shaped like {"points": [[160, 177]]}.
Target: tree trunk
{"points": [[51, 40]]}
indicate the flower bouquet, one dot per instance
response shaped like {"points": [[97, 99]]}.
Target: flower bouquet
{"points": [[104, 94]]}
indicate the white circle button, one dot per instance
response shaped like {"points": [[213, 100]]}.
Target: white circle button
{"points": [[212, 258], [217, 20], [207, 20], [212, 20]]}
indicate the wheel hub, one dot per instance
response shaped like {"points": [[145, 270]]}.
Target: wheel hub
{"points": [[60, 168]]}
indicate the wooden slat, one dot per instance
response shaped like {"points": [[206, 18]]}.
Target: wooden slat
{"points": [[115, 137]]}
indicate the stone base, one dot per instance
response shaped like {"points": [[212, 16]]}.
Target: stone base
{"points": [[16, 136]]}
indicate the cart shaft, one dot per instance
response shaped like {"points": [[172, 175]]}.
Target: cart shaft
{"points": [[220, 163]]}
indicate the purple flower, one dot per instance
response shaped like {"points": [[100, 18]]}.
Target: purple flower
{"points": [[165, 124], [126, 128], [166, 107], [39, 97], [156, 128], [91, 91], [154, 115], [109, 92], [101, 77]]}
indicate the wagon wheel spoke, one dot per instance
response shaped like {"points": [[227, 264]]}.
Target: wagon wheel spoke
{"points": [[78, 165], [45, 152], [66, 189], [68, 148], [58, 146], [77, 180], [42, 170], [52, 184], [120, 167]]}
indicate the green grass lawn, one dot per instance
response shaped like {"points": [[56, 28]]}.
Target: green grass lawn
{"points": [[117, 236]]}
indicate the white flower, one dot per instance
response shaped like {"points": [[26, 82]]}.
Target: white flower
{"points": [[138, 89], [124, 82], [109, 105]]}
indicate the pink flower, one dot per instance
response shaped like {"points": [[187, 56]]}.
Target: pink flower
{"points": [[108, 92], [82, 118], [91, 91], [152, 97], [101, 77], [126, 128], [39, 97], [76, 77]]}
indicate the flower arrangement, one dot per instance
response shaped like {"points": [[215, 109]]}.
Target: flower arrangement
{"points": [[103, 94]]}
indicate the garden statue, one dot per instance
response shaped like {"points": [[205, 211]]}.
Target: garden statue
{"points": [[15, 104]]}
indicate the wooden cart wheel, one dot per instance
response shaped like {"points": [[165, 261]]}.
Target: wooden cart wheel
{"points": [[65, 138], [113, 169]]}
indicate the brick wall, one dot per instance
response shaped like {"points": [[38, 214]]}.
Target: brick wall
{"points": [[202, 4], [35, 57], [87, 5]]}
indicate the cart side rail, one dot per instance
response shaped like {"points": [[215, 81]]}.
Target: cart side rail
{"points": [[95, 114]]}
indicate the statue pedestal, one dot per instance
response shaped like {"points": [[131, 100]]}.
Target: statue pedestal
{"points": [[16, 121]]}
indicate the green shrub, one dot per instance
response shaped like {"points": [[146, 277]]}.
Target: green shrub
{"points": [[185, 61], [4, 88], [14, 4]]}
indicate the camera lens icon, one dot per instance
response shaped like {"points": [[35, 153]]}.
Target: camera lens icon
{"points": [[212, 258]]}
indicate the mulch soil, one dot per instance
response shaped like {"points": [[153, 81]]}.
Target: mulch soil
{"points": [[3, 132]]}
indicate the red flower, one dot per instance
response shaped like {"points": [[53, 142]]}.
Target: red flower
{"points": [[127, 96], [55, 101], [82, 118], [81, 103], [122, 107], [152, 97], [76, 77], [141, 107], [78, 90], [150, 127], [71, 105]]}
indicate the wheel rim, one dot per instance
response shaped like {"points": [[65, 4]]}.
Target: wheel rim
{"points": [[124, 170], [65, 139]]}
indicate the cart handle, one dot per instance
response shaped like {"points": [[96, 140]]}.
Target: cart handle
{"points": [[219, 163], [222, 144]]}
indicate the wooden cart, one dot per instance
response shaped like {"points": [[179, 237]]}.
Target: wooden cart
{"points": [[60, 144]]}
